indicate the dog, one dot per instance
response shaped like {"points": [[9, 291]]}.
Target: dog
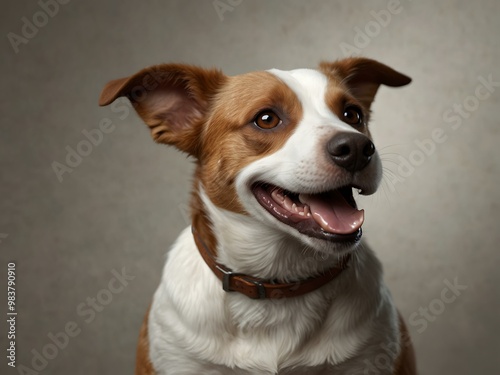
{"points": [[272, 277]]}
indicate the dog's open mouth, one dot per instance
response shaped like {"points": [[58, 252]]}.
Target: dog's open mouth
{"points": [[331, 215]]}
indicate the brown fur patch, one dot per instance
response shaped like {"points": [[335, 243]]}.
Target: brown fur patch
{"points": [[143, 364], [337, 98], [362, 77], [406, 362], [231, 141], [348, 73], [172, 99], [199, 218]]}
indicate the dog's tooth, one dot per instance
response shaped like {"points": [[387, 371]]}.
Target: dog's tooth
{"points": [[294, 207], [287, 202], [277, 196]]}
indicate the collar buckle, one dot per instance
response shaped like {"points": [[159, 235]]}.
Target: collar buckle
{"points": [[226, 277]]}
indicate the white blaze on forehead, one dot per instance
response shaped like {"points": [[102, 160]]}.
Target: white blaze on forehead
{"points": [[310, 87]]}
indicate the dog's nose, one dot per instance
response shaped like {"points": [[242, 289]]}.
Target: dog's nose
{"points": [[351, 151]]}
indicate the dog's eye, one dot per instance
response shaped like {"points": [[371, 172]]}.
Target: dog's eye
{"points": [[267, 120], [353, 115]]}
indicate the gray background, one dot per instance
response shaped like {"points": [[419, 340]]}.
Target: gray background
{"points": [[125, 203]]}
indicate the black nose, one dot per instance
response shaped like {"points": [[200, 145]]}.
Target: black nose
{"points": [[351, 151]]}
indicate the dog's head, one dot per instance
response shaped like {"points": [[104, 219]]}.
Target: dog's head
{"points": [[284, 147]]}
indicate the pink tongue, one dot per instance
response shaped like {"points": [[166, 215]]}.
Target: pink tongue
{"points": [[333, 213]]}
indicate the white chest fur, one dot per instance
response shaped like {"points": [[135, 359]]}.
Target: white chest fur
{"points": [[195, 327]]}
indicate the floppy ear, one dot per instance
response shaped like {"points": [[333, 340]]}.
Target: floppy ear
{"points": [[363, 76], [172, 99]]}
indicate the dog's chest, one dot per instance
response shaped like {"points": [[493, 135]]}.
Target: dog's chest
{"points": [[268, 340], [197, 323]]}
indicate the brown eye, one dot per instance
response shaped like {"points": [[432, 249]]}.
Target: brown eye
{"points": [[353, 115], [267, 120]]}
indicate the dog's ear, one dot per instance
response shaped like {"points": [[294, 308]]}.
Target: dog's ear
{"points": [[363, 76], [172, 99]]}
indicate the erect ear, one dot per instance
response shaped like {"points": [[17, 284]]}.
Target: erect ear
{"points": [[172, 99], [363, 76]]}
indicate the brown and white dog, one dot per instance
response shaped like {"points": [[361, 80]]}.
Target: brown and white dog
{"points": [[272, 277]]}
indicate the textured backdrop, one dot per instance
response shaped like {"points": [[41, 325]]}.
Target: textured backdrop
{"points": [[89, 240]]}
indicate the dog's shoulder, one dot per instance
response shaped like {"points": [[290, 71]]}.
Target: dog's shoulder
{"points": [[406, 362], [143, 364]]}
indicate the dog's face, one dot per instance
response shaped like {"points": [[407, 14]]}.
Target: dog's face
{"points": [[284, 147]]}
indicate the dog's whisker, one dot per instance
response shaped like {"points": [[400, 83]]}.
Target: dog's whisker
{"points": [[390, 161], [390, 146]]}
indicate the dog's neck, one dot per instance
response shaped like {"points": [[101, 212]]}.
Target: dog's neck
{"points": [[246, 245]]}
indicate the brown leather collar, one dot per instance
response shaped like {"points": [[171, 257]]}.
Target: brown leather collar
{"points": [[257, 288]]}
